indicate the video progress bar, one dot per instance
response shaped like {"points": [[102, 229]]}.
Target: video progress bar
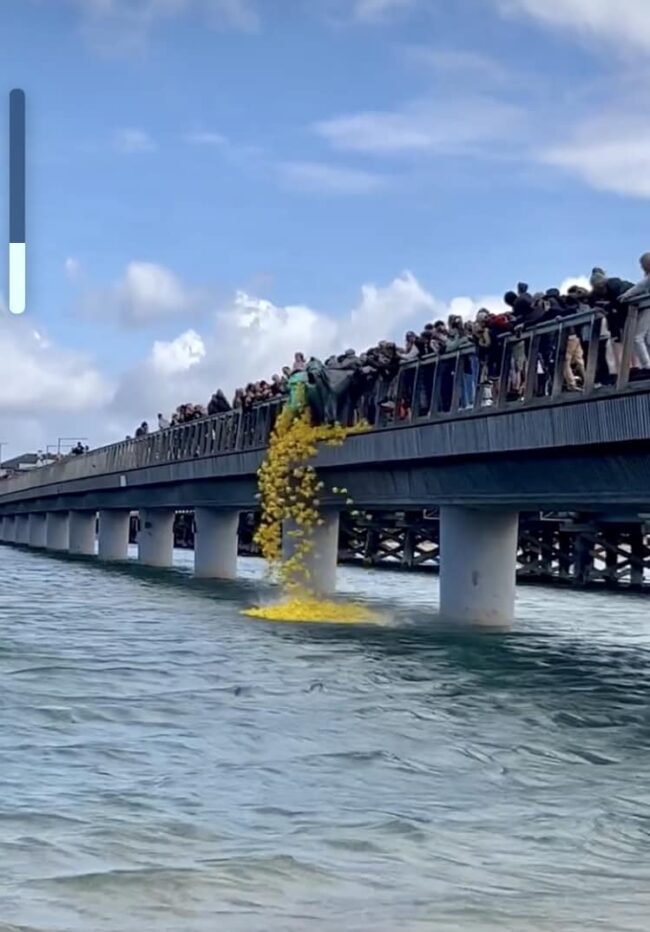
{"points": [[17, 240]]}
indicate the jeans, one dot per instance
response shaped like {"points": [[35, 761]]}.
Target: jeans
{"points": [[642, 338], [469, 382]]}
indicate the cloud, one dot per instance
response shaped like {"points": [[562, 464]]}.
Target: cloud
{"points": [[377, 11], [326, 178], [610, 153], [443, 127], [130, 141], [623, 24], [179, 355], [40, 378], [72, 268], [145, 294], [126, 25], [457, 63], [205, 138]]}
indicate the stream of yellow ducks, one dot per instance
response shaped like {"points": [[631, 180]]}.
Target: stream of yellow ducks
{"points": [[289, 490]]}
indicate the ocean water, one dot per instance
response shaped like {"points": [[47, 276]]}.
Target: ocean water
{"points": [[169, 764]]}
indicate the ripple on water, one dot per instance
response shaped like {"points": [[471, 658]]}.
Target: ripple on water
{"points": [[168, 764]]}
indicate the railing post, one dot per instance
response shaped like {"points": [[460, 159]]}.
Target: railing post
{"points": [[239, 430], [504, 374], [560, 356], [459, 373], [531, 368], [433, 401], [592, 353], [628, 346]]}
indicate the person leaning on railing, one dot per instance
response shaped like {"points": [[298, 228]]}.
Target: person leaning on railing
{"points": [[606, 293], [640, 294]]}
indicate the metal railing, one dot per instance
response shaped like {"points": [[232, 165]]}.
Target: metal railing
{"points": [[526, 368]]}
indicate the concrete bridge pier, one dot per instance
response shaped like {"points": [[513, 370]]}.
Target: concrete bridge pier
{"points": [[57, 530], [321, 561], [22, 529], [37, 529], [82, 532], [9, 529], [215, 543], [113, 537], [478, 565], [156, 537], [3, 529]]}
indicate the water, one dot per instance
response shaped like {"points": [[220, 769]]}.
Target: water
{"points": [[167, 764]]}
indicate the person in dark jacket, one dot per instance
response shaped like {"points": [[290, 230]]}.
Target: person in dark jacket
{"points": [[606, 293]]}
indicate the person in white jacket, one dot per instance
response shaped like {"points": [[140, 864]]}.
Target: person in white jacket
{"points": [[640, 294]]}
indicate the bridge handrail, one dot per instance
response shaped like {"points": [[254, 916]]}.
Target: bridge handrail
{"points": [[427, 389]]}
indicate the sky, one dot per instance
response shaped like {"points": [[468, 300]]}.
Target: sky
{"points": [[215, 184]]}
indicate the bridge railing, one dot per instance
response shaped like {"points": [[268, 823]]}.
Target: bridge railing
{"points": [[526, 368]]}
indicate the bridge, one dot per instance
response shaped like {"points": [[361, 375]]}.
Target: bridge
{"points": [[545, 449]]}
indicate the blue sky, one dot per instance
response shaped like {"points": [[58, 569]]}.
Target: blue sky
{"points": [[215, 183]]}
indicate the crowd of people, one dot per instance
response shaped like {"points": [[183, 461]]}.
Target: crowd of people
{"points": [[353, 385]]}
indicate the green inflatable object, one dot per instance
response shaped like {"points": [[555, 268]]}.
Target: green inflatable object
{"points": [[297, 391]]}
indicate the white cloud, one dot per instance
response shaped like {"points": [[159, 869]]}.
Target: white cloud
{"points": [[329, 179], [117, 26], [619, 23], [610, 153], [145, 293], [374, 11], [457, 63], [443, 126], [206, 138], [72, 268], [40, 378], [179, 355], [132, 140]]}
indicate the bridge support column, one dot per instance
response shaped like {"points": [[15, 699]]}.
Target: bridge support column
{"points": [[113, 538], [478, 565], [9, 529], [156, 537], [321, 562], [82, 532], [57, 530], [37, 528], [215, 543], [22, 529]]}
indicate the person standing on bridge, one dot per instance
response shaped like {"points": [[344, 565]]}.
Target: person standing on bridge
{"points": [[640, 294]]}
